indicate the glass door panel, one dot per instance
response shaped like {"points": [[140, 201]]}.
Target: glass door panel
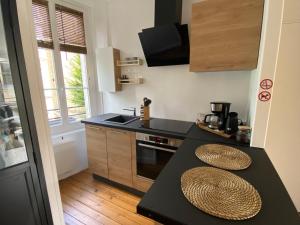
{"points": [[12, 146]]}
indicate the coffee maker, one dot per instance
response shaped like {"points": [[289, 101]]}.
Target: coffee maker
{"points": [[220, 111]]}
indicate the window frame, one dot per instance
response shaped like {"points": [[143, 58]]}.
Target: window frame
{"points": [[56, 89], [66, 125]]}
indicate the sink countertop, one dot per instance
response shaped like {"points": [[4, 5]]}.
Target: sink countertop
{"points": [[165, 202], [135, 126]]}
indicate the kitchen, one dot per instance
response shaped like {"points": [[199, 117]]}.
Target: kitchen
{"points": [[179, 98]]}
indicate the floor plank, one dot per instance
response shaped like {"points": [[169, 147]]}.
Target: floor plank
{"points": [[79, 215], [70, 220], [111, 195], [119, 194], [103, 206], [87, 201]]}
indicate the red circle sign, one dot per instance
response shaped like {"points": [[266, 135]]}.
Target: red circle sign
{"points": [[266, 84], [264, 96]]}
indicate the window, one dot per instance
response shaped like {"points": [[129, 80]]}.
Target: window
{"points": [[42, 25], [70, 29], [63, 62], [75, 85]]}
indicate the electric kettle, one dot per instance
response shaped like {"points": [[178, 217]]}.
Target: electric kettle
{"points": [[232, 123]]}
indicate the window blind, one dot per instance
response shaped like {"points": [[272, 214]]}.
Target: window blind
{"points": [[70, 27], [42, 25]]}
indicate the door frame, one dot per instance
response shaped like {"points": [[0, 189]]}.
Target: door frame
{"points": [[28, 56], [38, 101], [39, 180], [20, 79]]}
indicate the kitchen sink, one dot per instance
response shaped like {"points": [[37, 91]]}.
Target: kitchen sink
{"points": [[121, 119]]}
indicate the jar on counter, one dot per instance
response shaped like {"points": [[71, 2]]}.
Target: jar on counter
{"points": [[243, 135]]}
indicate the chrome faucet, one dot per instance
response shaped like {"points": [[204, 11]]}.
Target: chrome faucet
{"points": [[131, 109]]}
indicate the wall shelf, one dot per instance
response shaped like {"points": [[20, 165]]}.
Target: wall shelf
{"points": [[134, 61], [138, 80]]}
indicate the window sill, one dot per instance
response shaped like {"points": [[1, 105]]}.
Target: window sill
{"points": [[65, 128]]}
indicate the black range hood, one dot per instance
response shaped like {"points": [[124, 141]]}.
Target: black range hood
{"points": [[168, 42]]}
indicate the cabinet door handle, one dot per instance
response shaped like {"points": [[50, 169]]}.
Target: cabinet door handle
{"points": [[118, 132], [94, 128]]}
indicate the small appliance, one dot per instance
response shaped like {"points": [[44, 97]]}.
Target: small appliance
{"points": [[218, 119], [232, 123]]}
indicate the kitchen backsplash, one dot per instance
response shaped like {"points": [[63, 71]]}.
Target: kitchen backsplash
{"points": [[176, 92]]}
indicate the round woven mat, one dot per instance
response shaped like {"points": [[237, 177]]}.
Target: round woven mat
{"points": [[220, 193], [223, 157]]}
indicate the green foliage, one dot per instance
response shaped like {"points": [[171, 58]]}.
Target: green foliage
{"points": [[76, 95]]}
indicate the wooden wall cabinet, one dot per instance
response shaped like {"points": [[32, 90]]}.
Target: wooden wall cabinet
{"points": [[107, 70], [119, 156], [96, 149], [225, 35]]}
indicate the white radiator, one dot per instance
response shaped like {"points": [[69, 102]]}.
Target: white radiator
{"points": [[70, 153]]}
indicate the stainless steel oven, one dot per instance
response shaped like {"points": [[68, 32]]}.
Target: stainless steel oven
{"points": [[153, 153]]}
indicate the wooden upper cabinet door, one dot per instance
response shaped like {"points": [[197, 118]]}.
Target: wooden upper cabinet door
{"points": [[225, 35], [96, 148], [119, 156]]}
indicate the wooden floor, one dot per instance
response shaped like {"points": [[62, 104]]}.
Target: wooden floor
{"points": [[86, 201]]}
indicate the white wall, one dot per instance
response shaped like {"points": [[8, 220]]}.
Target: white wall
{"points": [[259, 111], [176, 92], [282, 141]]}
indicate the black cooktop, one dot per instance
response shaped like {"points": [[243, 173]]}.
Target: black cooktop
{"points": [[175, 126]]}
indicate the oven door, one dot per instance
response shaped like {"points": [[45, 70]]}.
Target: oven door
{"points": [[151, 158]]}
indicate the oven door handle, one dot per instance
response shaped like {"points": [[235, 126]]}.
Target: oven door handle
{"points": [[157, 148]]}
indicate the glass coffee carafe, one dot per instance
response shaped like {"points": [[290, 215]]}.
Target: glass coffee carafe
{"points": [[214, 121]]}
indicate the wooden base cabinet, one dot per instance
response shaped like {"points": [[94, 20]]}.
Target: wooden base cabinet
{"points": [[97, 151], [119, 156], [112, 155]]}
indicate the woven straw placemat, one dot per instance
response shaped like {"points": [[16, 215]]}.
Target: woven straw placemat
{"points": [[220, 193], [224, 157]]}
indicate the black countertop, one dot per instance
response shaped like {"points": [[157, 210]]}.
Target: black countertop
{"points": [[165, 202], [199, 134], [137, 126]]}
